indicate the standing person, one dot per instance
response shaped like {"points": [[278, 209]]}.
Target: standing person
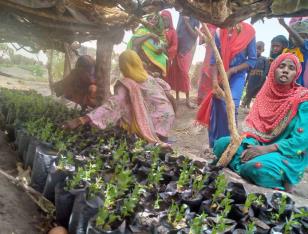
{"points": [[298, 32], [141, 104], [273, 153], [256, 77], [278, 44], [148, 42], [205, 81], [187, 37], [237, 47], [172, 39]]}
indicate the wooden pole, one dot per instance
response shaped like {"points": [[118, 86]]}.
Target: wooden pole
{"points": [[235, 137], [103, 67], [49, 69], [104, 51]]}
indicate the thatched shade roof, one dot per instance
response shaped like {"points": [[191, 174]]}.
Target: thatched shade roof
{"points": [[49, 23]]}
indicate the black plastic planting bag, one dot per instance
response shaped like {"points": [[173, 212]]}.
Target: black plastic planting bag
{"points": [[64, 201], [54, 177], [83, 210], [10, 133], [30, 154], [93, 230], [23, 143], [44, 157]]}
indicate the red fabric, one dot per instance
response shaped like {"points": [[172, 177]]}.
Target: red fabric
{"points": [[179, 77], [237, 42], [171, 36], [204, 112], [274, 102], [205, 81], [230, 47]]}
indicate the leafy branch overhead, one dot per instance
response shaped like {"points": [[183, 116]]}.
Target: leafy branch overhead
{"points": [[31, 22]]}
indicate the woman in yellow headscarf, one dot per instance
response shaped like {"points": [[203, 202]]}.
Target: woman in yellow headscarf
{"points": [[141, 104]]}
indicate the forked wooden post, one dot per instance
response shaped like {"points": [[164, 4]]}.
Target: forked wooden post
{"points": [[235, 137]]}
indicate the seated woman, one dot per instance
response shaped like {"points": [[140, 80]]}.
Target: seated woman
{"points": [[79, 86], [141, 104], [273, 152], [149, 42]]}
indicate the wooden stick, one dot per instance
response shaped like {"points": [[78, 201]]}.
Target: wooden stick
{"points": [[34, 195], [235, 137]]}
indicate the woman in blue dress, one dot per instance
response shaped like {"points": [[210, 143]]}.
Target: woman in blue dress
{"points": [[237, 47]]}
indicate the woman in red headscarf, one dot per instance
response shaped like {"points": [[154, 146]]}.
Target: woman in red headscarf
{"points": [[273, 154], [237, 46], [172, 38]]}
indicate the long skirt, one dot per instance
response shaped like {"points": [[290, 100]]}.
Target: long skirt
{"points": [[272, 170], [218, 119], [179, 79], [205, 86]]}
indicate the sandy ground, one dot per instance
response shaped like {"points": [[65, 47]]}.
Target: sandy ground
{"points": [[18, 214]]}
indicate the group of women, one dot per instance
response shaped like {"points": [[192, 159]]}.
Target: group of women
{"points": [[273, 151]]}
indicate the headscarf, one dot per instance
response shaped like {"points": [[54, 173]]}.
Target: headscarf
{"points": [[167, 13], [275, 105], [150, 47], [131, 66], [231, 46], [171, 36], [300, 26], [283, 41]]}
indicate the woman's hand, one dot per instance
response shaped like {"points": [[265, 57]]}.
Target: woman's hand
{"points": [[72, 124], [254, 151], [218, 92], [231, 72], [154, 37]]}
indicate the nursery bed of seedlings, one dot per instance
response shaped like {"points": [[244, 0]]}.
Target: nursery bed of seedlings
{"points": [[112, 182]]}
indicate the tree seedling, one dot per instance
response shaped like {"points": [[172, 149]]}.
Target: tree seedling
{"points": [[198, 184], [185, 175], [196, 225], [250, 228], [95, 187], [105, 218], [131, 201], [220, 186], [281, 209], [157, 201], [65, 162], [111, 195], [293, 221], [176, 215], [249, 201]]}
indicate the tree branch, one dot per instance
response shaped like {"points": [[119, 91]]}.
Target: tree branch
{"points": [[235, 137]]}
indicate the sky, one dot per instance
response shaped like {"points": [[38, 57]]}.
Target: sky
{"points": [[265, 31]]}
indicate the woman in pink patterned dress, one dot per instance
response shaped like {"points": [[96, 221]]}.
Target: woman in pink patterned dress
{"points": [[141, 104]]}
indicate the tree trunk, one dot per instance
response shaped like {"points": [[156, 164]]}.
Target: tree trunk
{"points": [[103, 67], [49, 69], [235, 137]]}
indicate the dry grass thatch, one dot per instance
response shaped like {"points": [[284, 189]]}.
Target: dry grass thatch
{"points": [[49, 23]]}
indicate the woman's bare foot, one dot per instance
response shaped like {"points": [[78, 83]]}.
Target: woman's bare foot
{"points": [[190, 105]]}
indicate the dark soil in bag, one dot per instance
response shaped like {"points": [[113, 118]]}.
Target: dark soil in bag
{"points": [[44, 157], [91, 229]]}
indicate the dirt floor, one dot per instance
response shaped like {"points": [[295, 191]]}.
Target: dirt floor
{"points": [[18, 214]]}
